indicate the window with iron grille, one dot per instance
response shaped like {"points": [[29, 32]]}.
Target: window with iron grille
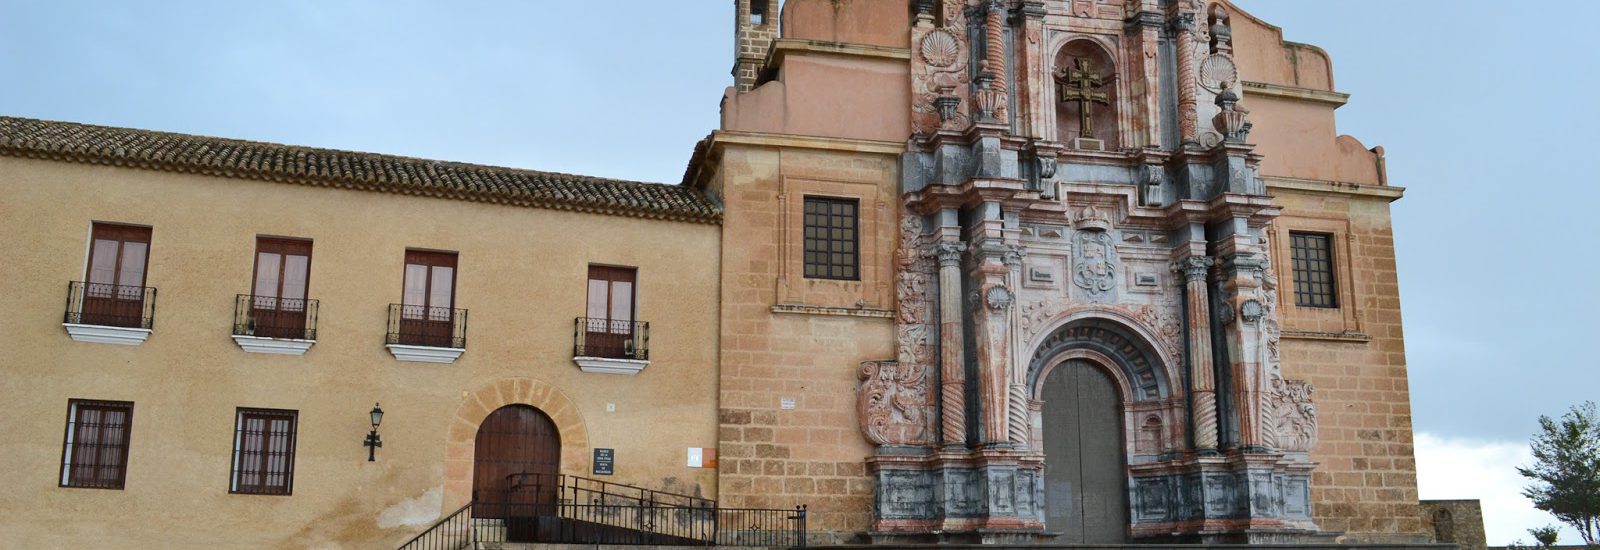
{"points": [[95, 453], [831, 238], [263, 452], [1312, 254]]}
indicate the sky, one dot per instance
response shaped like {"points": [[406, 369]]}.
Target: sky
{"points": [[1487, 111]]}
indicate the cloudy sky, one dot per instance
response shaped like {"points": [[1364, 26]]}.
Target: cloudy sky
{"points": [[1488, 110]]}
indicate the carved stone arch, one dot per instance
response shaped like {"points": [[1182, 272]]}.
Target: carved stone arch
{"points": [[1138, 323], [476, 406], [1088, 55], [1135, 360]]}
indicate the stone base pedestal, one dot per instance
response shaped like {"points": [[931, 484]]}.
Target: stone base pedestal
{"points": [[987, 496]]}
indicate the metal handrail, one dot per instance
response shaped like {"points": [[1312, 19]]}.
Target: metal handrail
{"points": [[110, 305], [274, 317], [433, 537], [610, 339]]}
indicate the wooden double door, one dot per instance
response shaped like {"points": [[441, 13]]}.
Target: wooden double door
{"points": [[516, 471], [1086, 487]]}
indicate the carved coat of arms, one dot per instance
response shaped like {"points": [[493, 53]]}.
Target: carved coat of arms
{"points": [[1095, 272]]}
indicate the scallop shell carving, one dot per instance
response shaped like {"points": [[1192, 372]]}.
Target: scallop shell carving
{"points": [[1216, 70], [940, 48]]}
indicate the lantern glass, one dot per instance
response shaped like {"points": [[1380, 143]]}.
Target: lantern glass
{"points": [[377, 416]]}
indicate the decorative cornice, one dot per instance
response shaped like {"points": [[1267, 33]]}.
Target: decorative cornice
{"points": [[785, 47], [1388, 192], [834, 311], [1296, 93]]}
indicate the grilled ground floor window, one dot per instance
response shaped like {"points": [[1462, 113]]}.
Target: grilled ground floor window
{"points": [[1312, 254], [263, 452], [831, 238], [95, 453]]}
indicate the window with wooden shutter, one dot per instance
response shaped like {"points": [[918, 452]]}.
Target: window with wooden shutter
{"points": [[114, 280], [427, 307], [278, 292], [95, 453], [263, 452]]}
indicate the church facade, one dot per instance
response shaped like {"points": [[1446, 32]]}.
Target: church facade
{"points": [[997, 271]]}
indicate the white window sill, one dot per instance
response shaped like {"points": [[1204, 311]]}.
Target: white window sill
{"points": [[425, 354], [101, 334], [602, 365], [277, 346]]}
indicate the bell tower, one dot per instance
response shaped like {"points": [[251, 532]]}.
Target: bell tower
{"points": [[755, 27]]}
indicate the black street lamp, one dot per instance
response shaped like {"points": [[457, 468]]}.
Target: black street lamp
{"points": [[373, 441]]}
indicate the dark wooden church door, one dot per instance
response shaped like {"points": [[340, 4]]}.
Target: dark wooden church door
{"points": [[1086, 491], [516, 468]]}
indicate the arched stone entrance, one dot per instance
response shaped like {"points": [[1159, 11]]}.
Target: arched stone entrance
{"points": [[1085, 489], [1103, 397], [476, 406], [515, 470]]}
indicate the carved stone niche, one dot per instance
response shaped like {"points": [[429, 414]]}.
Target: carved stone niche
{"points": [[1086, 79]]}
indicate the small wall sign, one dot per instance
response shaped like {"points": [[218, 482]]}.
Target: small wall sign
{"points": [[604, 461]]}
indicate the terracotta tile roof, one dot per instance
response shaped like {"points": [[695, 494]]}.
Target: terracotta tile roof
{"points": [[67, 141]]}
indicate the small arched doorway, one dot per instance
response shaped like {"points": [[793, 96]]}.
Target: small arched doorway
{"points": [[1086, 496], [516, 468]]}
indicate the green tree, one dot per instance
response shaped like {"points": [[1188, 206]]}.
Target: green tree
{"points": [[1566, 470], [1547, 535]]}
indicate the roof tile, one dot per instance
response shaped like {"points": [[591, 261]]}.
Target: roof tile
{"points": [[73, 142]]}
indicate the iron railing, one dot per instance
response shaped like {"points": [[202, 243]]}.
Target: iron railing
{"points": [[272, 317], [584, 490], [610, 339], [561, 509], [438, 327], [110, 305], [454, 532]]}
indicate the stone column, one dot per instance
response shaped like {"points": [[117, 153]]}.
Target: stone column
{"points": [[1020, 423], [1241, 278], [992, 312], [1202, 382], [952, 371], [1188, 115]]}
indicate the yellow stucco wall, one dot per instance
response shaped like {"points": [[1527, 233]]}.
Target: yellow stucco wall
{"points": [[521, 275]]}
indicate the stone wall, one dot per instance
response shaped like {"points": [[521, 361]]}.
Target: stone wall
{"points": [[1354, 357], [791, 346], [1455, 521]]}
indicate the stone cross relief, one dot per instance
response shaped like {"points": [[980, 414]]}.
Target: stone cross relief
{"points": [[1081, 84]]}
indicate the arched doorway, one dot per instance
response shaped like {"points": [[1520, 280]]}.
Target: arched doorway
{"points": [[1086, 495], [516, 468]]}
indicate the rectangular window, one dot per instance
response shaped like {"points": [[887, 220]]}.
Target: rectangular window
{"points": [[263, 452], [1312, 254], [95, 453], [609, 325], [278, 293], [831, 238], [114, 293], [427, 312]]}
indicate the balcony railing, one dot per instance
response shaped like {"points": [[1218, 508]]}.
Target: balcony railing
{"points": [[436, 327], [611, 339], [271, 317], [110, 305]]}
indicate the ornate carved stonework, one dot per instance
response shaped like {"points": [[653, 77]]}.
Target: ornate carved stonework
{"points": [[939, 72], [914, 327], [1295, 415], [895, 403], [1095, 271]]}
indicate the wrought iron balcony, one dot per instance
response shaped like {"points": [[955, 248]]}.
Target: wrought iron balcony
{"points": [[110, 305], [436, 327], [611, 339], [271, 317]]}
